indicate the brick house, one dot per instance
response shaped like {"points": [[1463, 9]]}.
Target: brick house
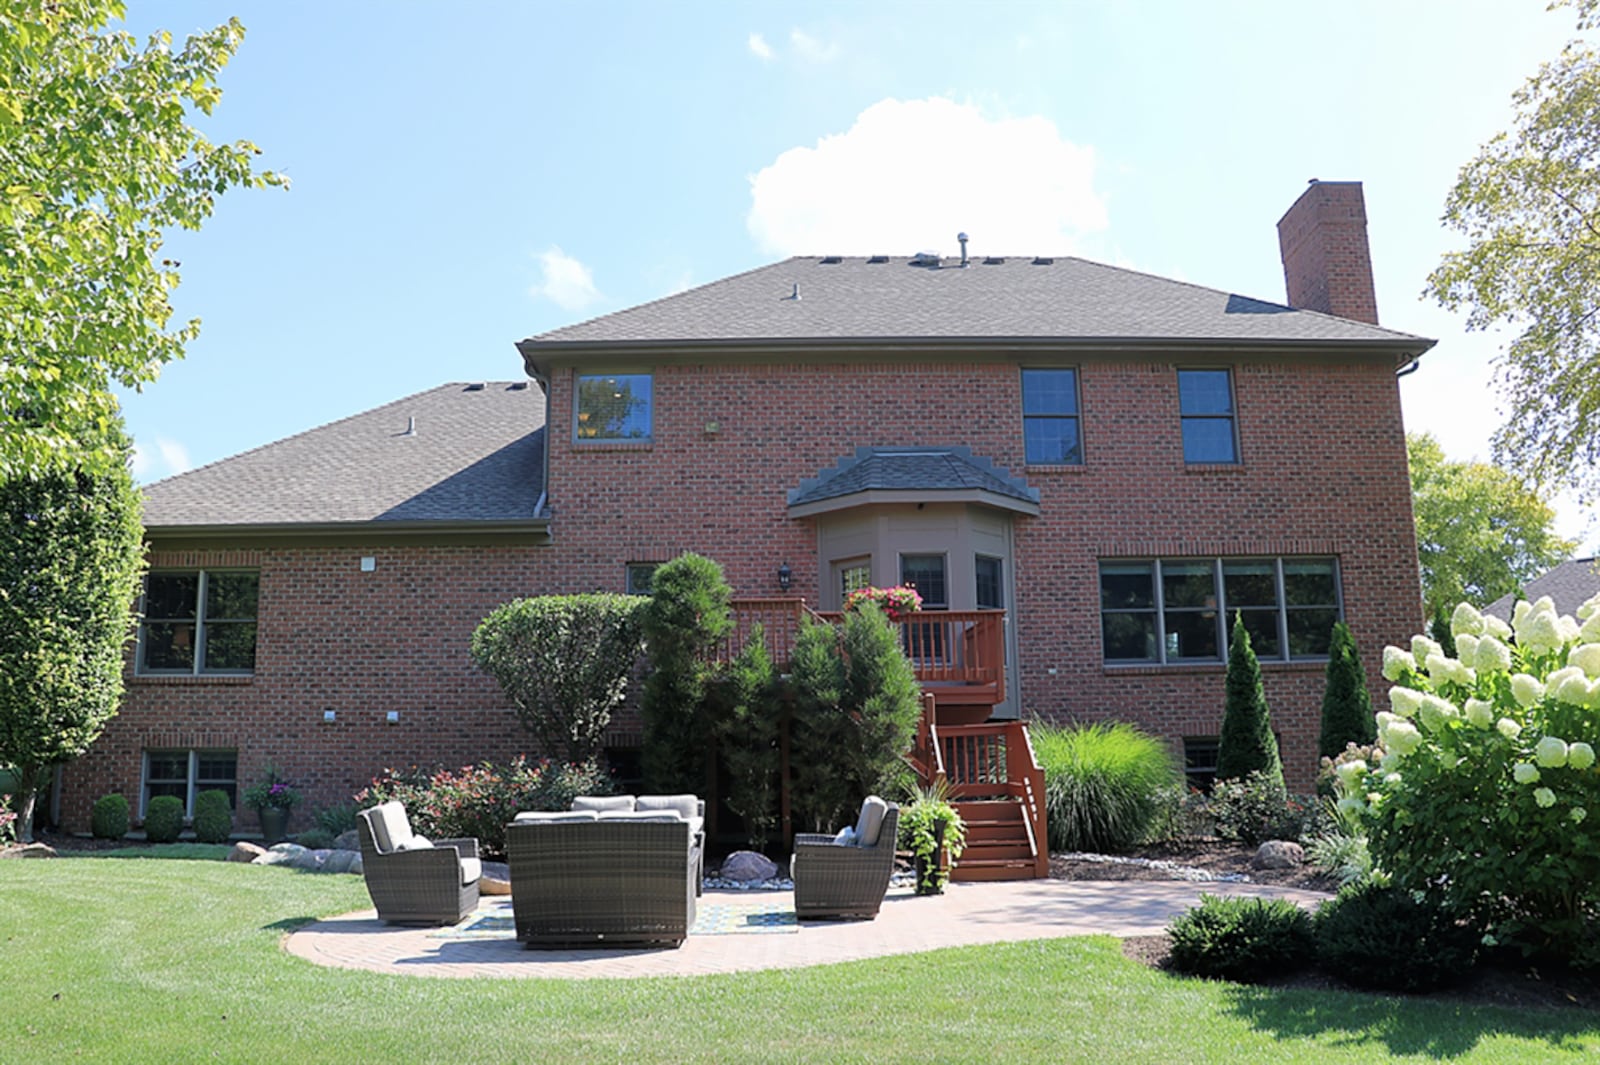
{"points": [[1116, 460]]}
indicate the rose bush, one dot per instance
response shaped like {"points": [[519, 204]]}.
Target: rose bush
{"points": [[1484, 776]]}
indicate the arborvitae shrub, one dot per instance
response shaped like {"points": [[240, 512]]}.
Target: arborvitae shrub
{"points": [[109, 818], [213, 816], [1243, 939], [163, 819], [1247, 743], [1379, 936], [1346, 708]]}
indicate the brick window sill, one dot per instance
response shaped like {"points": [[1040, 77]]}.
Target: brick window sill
{"points": [[189, 678], [1070, 471], [612, 445], [1213, 668], [1215, 469]]}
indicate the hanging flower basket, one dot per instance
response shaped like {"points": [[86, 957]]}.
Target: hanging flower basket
{"points": [[895, 602]]}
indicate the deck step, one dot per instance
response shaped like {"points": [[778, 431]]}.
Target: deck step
{"points": [[992, 869]]}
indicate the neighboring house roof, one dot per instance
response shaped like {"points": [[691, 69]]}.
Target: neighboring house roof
{"points": [[1570, 585], [456, 455], [884, 474], [838, 300]]}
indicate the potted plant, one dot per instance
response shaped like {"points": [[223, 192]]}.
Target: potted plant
{"points": [[935, 834], [272, 797], [895, 602]]}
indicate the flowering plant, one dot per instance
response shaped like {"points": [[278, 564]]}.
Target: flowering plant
{"points": [[271, 790], [894, 602], [8, 822], [1480, 788]]}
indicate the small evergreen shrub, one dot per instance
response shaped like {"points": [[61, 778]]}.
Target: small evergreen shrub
{"points": [[1246, 744], [1379, 936], [213, 816], [337, 819], [1106, 786], [1346, 707], [315, 839], [1259, 808], [163, 819], [109, 818], [1243, 939]]}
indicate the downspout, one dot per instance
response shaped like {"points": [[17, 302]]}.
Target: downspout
{"points": [[544, 480], [1416, 364]]}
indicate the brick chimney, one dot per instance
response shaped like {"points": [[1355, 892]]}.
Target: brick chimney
{"points": [[1326, 264]]}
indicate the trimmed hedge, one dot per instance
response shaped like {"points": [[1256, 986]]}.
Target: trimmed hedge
{"points": [[109, 818], [1243, 939], [213, 816], [163, 819]]}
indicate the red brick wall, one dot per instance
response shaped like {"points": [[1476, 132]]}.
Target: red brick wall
{"points": [[1327, 264], [1323, 472]]}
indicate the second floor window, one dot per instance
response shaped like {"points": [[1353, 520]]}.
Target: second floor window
{"points": [[614, 407], [1205, 401], [1050, 428], [199, 621]]}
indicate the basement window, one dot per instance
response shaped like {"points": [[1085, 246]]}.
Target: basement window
{"points": [[186, 773]]}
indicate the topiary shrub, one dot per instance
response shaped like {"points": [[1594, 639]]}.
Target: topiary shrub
{"points": [[163, 819], [109, 818], [1379, 936], [1106, 786], [1243, 939], [213, 816], [1259, 808]]}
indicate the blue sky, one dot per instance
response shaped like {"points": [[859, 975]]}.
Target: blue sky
{"points": [[467, 174]]}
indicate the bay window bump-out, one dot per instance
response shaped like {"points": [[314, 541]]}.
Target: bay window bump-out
{"points": [[1178, 611]]}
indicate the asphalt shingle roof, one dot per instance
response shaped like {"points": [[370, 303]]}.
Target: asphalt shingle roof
{"points": [[855, 298], [927, 469], [1570, 585], [476, 455]]}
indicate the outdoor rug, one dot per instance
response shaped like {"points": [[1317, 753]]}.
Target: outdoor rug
{"points": [[493, 920]]}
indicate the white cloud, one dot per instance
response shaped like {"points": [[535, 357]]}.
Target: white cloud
{"points": [[910, 174], [760, 48], [564, 281], [811, 49], [164, 459]]}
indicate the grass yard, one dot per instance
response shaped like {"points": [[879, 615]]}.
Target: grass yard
{"points": [[169, 962]]}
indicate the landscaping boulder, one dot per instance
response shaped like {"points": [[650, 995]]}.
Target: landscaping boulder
{"points": [[29, 850], [745, 866], [245, 852], [496, 879], [1278, 854], [340, 861], [348, 841], [280, 854]]}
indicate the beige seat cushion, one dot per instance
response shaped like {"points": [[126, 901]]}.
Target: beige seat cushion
{"points": [[471, 869], [603, 802], [557, 817], [873, 810]]}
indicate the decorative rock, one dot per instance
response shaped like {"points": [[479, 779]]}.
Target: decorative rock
{"points": [[340, 861], [245, 852], [748, 865], [348, 841], [30, 850], [280, 854], [1278, 854], [496, 879]]}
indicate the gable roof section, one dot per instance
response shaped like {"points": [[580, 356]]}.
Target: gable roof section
{"points": [[1570, 585], [911, 474], [474, 459], [854, 300]]}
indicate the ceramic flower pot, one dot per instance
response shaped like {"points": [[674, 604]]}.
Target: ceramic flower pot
{"points": [[274, 823]]}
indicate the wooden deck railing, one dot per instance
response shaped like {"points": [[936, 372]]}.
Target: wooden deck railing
{"points": [[992, 761]]}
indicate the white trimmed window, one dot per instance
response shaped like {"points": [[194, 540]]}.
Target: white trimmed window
{"points": [[186, 773], [198, 621], [1180, 610]]}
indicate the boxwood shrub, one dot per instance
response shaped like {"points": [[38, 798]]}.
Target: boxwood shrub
{"points": [[1243, 939], [163, 819], [109, 818], [213, 816], [1376, 935]]}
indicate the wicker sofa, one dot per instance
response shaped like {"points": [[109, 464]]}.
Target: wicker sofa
{"points": [[846, 875], [413, 880], [587, 878]]}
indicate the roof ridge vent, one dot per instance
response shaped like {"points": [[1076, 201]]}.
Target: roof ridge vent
{"points": [[475, 386], [1044, 260], [925, 258], [877, 258], [994, 260], [832, 260]]}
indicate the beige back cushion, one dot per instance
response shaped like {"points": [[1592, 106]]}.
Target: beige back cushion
{"points": [[559, 817], [391, 829], [685, 806], [603, 802], [870, 821]]}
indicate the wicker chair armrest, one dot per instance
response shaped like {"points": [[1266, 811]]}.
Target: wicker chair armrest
{"points": [[813, 839], [467, 848], [427, 858]]}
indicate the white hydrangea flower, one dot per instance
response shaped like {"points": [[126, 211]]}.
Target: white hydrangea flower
{"points": [[1591, 698], [1569, 630], [1495, 627], [1544, 604], [1580, 755], [1569, 685], [1467, 648], [1402, 738], [1520, 612], [1544, 797], [1587, 658], [1442, 668], [1480, 713], [1390, 764], [1421, 648], [1350, 773], [1374, 798], [1542, 632], [1466, 619], [1491, 656], [1508, 728], [1588, 608], [1435, 711], [1404, 701], [1526, 689], [1589, 632], [1525, 773], [1391, 779], [1551, 752], [1351, 806], [1397, 662], [1577, 813]]}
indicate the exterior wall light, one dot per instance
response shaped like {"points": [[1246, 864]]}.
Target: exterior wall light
{"points": [[785, 577]]}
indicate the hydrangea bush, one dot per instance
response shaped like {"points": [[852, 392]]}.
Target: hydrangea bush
{"points": [[1480, 789]]}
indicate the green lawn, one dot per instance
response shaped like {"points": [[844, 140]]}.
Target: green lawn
{"points": [[151, 961]]}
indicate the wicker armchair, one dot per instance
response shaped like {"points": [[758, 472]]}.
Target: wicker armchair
{"points": [[833, 879], [412, 884]]}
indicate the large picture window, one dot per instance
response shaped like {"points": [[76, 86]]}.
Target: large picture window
{"points": [[614, 407], [1050, 429], [1205, 401], [1175, 611], [198, 621]]}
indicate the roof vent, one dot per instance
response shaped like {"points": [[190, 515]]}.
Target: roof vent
{"points": [[832, 260], [516, 386], [925, 258], [411, 426], [1043, 260], [993, 260], [476, 386], [878, 259], [962, 238]]}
